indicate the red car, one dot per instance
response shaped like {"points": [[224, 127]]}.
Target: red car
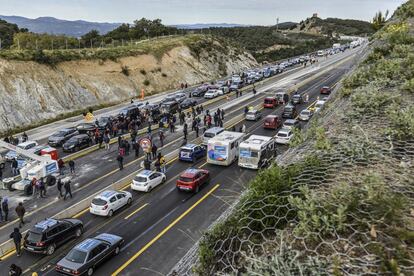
{"points": [[192, 179], [270, 102], [326, 90], [272, 122]]}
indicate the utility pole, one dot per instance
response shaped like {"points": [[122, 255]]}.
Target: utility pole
{"points": [[277, 24]]}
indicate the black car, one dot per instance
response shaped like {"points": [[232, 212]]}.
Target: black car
{"points": [[187, 103], [45, 236], [129, 111], [86, 127], [200, 91], [77, 142], [104, 122], [85, 257], [297, 99], [289, 112], [58, 138]]}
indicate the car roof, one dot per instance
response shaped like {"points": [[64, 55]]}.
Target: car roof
{"points": [[107, 194], [26, 143], [284, 130], [191, 172], [87, 245], [292, 121], [214, 129], [271, 116], [253, 110], [80, 136], [45, 224], [145, 173], [189, 146]]}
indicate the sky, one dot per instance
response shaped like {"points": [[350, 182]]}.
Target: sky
{"points": [[250, 12]]}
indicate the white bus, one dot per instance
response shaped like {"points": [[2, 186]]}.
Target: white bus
{"points": [[257, 152], [223, 148]]}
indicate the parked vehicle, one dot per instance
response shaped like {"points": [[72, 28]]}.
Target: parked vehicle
{"points": [[282, 97], [296, 99], [11, 154], [58, 138], [270, 102], [289, 111], [325, 90], [180, 97], [291, 123], [272, 122], [169, 107], [191, 152], [223, 149], [210, 133], [305, 115], [83, 128], [45, 236], [210, 94], [187, 103], [253, 115], [129, 111], [257, 152], [192, 179], [85, 257], [77, 143], [284, 136]]}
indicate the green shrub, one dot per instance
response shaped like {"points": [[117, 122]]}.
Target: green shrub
{"points": [[146, 82], [401, 122], [409, 85]]}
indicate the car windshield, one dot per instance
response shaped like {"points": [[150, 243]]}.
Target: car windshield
{"points": [[59, 133], [251, 113], [186, 150], [185, 179], [268, 101], [140, 179], [76, 256], [34, 236], [209, 135], [72, 140], [289, 123], [98, 201], [305, 112], [103, 120], [282, 134]]}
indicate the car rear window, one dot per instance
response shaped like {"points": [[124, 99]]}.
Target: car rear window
{"points": [[282, 134], [269, 101], [251, 113], [186, 150], [76, 256], [209, 135], [98, 201], [34, 236], [186, 179], [140, 179]]}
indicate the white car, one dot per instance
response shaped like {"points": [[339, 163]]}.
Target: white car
{"points": [[147, 180], [210, 94], [253, 115], [318, 106], [284, 136], [109, 201], [223, 90], [10, 155], [305, 115], [291, 124]]}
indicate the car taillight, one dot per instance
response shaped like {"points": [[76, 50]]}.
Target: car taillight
{"points": [[76, 272], [40, 244], [105, 207]]}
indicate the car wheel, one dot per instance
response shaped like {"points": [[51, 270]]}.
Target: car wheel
{"points": [[78, 232], [116, 252], [9, 187], [90, 271], [28, 190], [149, 189], [110, 213], [163, 180], [129, 201], [51, 249]]}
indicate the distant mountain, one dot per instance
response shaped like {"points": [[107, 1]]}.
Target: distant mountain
{"points": [[52, 25], [206, 26]]}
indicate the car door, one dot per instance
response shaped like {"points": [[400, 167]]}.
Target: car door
{"points": [[156, 179], [53, 237], [122, 200], [114, 203]]}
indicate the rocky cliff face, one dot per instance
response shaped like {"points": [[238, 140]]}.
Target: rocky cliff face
{"points": [[31, 92]]}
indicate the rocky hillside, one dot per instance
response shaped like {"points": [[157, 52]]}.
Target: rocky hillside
{"points": [[31, 92]]}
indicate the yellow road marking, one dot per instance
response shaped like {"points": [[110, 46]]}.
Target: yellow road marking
{"points": [[162, 233], [136, 211], [81, 213]]}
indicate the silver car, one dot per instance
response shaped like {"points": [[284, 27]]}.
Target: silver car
{"points": [[253, 115], [305, 115], [86, 256]]}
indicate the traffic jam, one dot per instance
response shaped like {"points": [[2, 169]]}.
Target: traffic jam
{"points": [[195, 125]]}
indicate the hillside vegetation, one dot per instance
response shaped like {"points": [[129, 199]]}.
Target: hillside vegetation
{"points": [[341, 200]]}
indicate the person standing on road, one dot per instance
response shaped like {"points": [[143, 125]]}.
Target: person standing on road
{"points": [[72, 166], [17, 239], [59, 187], [185, 131], [15, 270], [306, 98], [162, 162], [42, 188], [25, 137], [20, 211], [5, 208], [14, 166], [135, 146], [120, 160], [61, 166], [147, 164], [154, 151], [68, 190], [106, 141], [162, 137], [244, 128]]}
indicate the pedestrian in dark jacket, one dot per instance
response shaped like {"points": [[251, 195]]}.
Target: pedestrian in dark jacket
{"points": [[59, 187], [20, 211], [17, 239], [5, 208], [120, 160], [147, 164], [15, 270], [68, 190], [154, 151], [42, 187], [72, 166], [14, 166]]}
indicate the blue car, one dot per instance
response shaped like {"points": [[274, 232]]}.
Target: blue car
{"points": [[191, 152]]}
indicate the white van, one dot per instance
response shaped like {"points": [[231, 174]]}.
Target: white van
{"points": [[210, 133], [223, 149], [257, 152]]}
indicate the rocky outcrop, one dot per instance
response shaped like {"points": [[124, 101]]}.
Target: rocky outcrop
{"points": [[31, 92]]}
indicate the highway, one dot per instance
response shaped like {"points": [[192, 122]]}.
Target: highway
{"points": [[161, 226]]}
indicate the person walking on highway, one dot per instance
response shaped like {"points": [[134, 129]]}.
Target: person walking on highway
{"points": [[68, 189], [147, 164], [106, 141], [246, 109], [15, 270], [14, 166], [59, 187], [135, 146], [72, 166], [172, 127], [20, 211], [185, 131], [162, 137], [25, 137], [61, 166], [42, 188], [162, 163], [120, 160], [154, 151], [17, 239], [197, 129], [244, 128], [306, 98], [5, 208]]}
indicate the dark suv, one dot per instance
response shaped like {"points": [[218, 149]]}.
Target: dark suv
{"points": [[60, 137], [77, 142], [289, 112], [45, 236]]}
